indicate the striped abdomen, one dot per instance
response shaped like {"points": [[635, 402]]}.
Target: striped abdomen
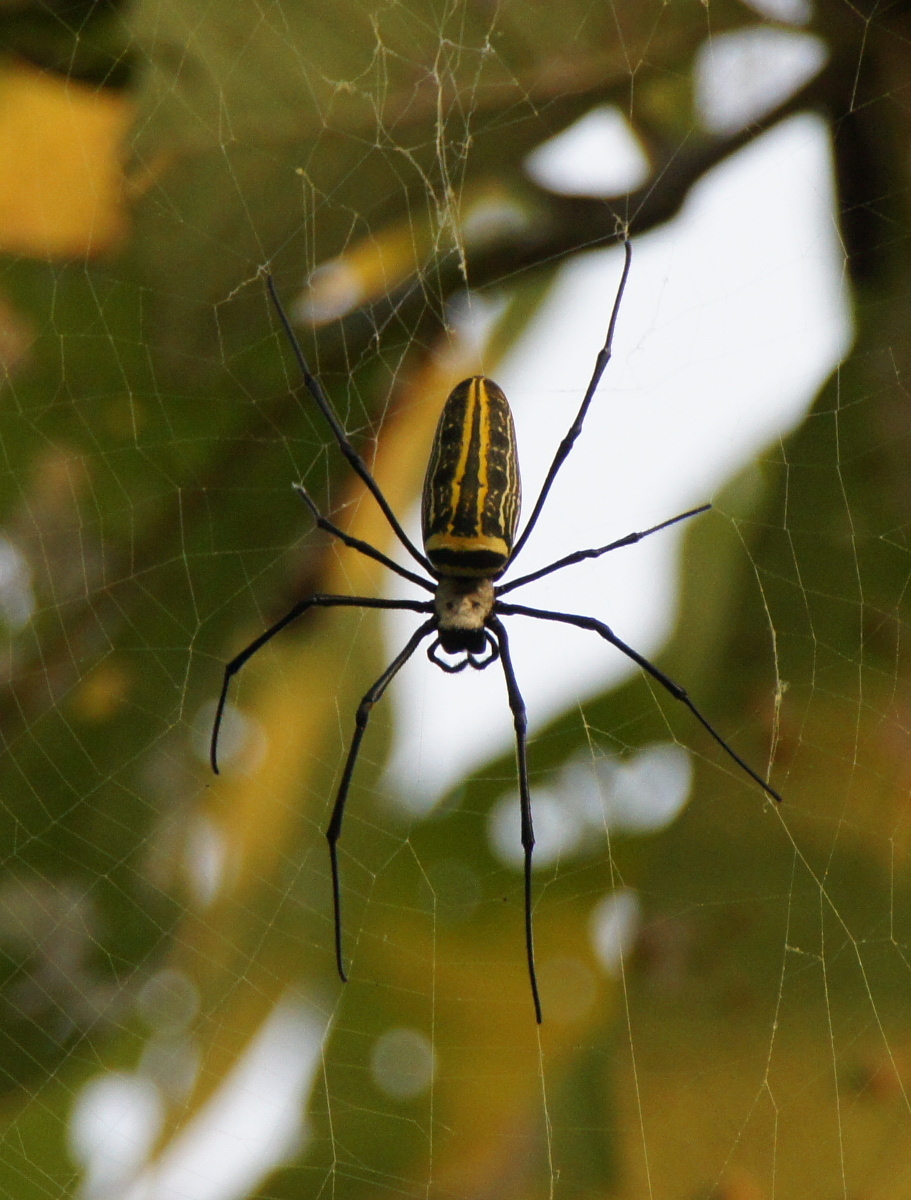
{"points": [[471, 492]]}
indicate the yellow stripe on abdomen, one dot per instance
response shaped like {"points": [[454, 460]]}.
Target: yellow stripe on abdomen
{"points": [[471, 491]]}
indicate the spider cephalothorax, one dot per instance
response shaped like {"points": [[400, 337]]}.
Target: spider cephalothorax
{"points": [[462, 608], [470, 515]]}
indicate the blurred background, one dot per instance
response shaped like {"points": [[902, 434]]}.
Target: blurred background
{"points": [[439, 189]]}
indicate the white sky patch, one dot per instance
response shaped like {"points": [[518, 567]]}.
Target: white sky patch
{"points": [[113, 1125], [205, 857], [168, 1001], [17, 600], [613, 927], [242, 743], [641, 794], [402, 1063], [253, 1123], [742, 75], [734, 316], [585, 798], [557, 831], [598, 155], [797, 12]]}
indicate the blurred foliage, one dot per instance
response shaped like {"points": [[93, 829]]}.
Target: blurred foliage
{"points": [[152, 424]]}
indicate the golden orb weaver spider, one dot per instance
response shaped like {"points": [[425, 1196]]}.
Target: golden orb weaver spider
{"points": [[470, 514]]}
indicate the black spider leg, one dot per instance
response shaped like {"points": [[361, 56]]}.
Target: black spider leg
{"points": [[629, 540], [520, 721], [575, 429], [666, 682], [318, 601], [449, 668], [470, 660], [356, 543], [493, 653], [333, 833], [357, 463]]}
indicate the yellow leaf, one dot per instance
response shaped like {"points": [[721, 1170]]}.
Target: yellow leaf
{"points": [[61, 149]]}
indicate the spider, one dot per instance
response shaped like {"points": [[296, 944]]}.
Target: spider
{"points": [[470, 516]]}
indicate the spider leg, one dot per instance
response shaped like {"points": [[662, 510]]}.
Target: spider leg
{"points": [[520, 721], [357, 463], [338, 810], [666, 682], [319, 601], [449, 668], [575, 429], [493, 653], [579, 555], [356, 543]]}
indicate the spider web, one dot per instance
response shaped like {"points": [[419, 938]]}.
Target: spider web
{"points": [[437, 190]]}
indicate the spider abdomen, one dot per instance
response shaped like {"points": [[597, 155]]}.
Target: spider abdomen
{"points": [[472, 492]]}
